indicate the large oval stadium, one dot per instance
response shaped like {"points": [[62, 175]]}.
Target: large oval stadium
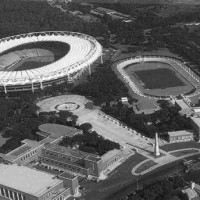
{"points": [[35, 60]]}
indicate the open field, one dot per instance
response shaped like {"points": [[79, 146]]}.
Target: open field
{"points": [[184, 152], [158, 78], [3, 140], [145, 166], [32, 55], [181, 145], [140, 2], [26, 64]]}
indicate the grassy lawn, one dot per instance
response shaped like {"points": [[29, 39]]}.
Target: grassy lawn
{"points": [[145, 166], [158, 78], [181, 145], [3, 140], [184, 152], [59, 50], [120, 177]]}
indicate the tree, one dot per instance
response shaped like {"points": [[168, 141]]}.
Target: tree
{"points": [[86, 127]]}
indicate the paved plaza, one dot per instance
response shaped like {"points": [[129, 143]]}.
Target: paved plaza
{"points": [[112, 129], [103, 124]]}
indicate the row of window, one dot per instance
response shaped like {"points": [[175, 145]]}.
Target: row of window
{"points": [[62, 165], [63, 196], [58, 155], [111, 161], [11, 195], [27, 156], [181, 137]]}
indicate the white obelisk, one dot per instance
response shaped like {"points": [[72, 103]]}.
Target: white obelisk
{"points": [[156, 150]]}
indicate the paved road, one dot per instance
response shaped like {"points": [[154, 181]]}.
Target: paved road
{"points": [[151, 176]]}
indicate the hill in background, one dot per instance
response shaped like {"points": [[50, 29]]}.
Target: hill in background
{"points": [[142, 1]]}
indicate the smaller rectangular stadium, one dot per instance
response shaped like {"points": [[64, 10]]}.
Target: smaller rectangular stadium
{"points": [[159, 77]]}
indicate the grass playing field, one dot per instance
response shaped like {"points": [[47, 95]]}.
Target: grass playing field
{"points": [[58, 49], [31, 65], [158, 78]]}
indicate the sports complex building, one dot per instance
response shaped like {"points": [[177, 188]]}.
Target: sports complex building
{"points": [[158, 77], [50, 155], [35, 60], [23, 183]]}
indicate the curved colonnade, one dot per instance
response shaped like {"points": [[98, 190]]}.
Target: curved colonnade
{"points": [[176, 64], [84, 50]]}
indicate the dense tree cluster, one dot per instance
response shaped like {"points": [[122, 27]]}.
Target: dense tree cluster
{"points": [[181, 40], [147, 18], [19, 120], [89, 141], [17, 17], [165, 189], [164, 120], [102, 86]]}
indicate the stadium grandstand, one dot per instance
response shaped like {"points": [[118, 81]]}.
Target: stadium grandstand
{"points": [[84, 51]]}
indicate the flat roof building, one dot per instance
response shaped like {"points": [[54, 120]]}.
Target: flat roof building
{"points": [[111, 157], [66, 151], [30, 149], [182, 104], [195, 121], [180, 136], [74, 161], [23, 183], [26, 153]]}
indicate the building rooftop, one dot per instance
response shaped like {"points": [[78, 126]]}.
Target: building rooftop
{"points": [[180, 133], [182, 104], [67, 151], [191, 193], [93, 158], [27, 145], [110, 154], [49, 171], [26, 180], [57, 130], [196, 109], [67, 175], [196, 120]]}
